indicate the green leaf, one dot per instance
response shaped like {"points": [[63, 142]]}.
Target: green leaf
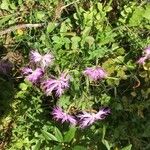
{"points": [[90, 40], [147, 12], [40, 15], [127, 147], [107, 144], [23, 86], [51, 26], [64, 101], [58, 147], [49, 136], [37, 146], [137, 17], [5, 5], [58, 134], [75, 42], [70, 134], [77, 147], [4, 19], [98, 53], [86, 31]]}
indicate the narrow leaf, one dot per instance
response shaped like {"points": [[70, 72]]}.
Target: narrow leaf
{"points": [[58, 135], [49, 136], [70, 134]]}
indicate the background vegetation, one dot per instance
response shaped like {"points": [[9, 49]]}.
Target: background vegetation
{"points": [[108, 33]]}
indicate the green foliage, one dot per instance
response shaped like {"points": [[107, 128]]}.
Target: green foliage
{"points": [[80, 34]]}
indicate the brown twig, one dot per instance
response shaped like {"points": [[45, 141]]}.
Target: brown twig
{"points": [[20, 26]]}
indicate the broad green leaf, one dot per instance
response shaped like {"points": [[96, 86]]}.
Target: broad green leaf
{"points": [[86, 31], [98, 53], [49, 136], [90, 40], [40, 15], [137, 17], [12, 6], [75, 42], [58, 135], [58, 147], [127, 147], [5, 4], [70, 134], [23, 86], [51, 26], [147, 12]]}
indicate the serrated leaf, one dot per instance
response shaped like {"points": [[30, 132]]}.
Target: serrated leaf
{"points": [[49, 136], [70, 134], [58, 135]]}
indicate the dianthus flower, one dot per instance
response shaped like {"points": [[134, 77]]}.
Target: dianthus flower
{"points": [[147, 52], [142, 60], [56, 85], [146, 56], [95, 73], [87, 119], [33, 76], [42, 60], [58, 114]]}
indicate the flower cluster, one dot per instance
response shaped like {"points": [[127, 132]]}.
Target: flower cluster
{"points": [[36, 74], [84, 120], [145, 57]]}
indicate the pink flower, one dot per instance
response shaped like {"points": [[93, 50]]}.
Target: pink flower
{"points": [[42, 60], [56, 85], [142, 60], [147, 52], [58, 114], [87, 119], [35, 56], [47, 59], [146, 56], [33, 76], [26, 71], [95, 73]]}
